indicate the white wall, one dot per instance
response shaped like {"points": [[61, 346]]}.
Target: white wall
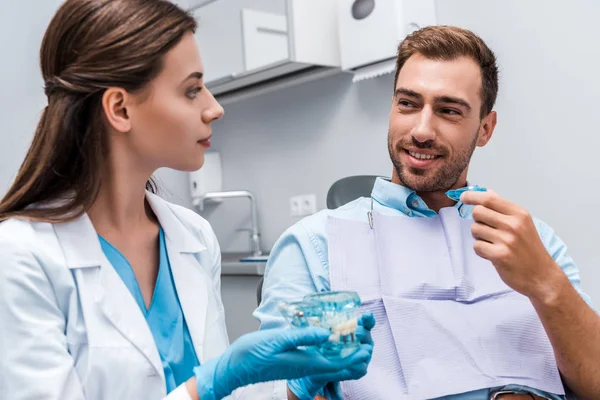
{"points": [[301, 140]]}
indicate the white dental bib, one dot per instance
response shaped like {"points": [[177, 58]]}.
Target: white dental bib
{"points": [[446, 322]]}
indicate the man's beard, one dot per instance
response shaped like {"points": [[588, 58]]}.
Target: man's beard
{"points": [[445, 177]]}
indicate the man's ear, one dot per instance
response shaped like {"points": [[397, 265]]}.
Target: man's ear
{"points": [[486, 129], [114, 104]]}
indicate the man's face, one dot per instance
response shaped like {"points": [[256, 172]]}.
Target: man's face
{"points": [[435, 123]]}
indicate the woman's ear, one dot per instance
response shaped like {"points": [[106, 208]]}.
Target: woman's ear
{"points": [[114, 104]]}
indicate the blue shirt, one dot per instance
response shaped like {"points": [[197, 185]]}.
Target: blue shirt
{"points": [[164, 316], [298, 263]]}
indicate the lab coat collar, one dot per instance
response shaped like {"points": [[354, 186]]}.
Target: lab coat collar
{"points": [[175, 231], [84, 250], [80, 243]]}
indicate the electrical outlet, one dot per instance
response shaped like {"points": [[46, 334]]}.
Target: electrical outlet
{"points": [[301, 206], [295, 206], [308, 206]]}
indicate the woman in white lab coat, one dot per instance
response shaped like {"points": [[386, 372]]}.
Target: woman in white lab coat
{"points": [[106, 290]]}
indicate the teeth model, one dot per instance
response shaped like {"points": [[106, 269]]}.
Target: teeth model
{"points": [[344, 329]]}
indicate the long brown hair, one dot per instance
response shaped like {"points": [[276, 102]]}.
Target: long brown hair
{"points": [[89, 46], [441, 42]]}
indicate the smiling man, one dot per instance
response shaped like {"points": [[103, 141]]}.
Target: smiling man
{"points": [[473, 299]]}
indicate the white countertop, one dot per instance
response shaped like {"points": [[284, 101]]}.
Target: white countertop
{"points": [[243, 264]]}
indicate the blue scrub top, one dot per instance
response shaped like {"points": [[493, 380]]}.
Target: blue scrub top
{"points": [[164, 316]]}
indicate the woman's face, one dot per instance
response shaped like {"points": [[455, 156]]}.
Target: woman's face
{"points": [[170, 124]]}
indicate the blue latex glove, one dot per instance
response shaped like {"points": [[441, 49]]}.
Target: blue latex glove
{"points": [[327, 385], [268, 356]]}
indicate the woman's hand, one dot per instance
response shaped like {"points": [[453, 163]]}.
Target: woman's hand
{"points": [[273, 355], [307, 388]]}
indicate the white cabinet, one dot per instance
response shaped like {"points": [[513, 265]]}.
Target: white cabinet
{"points": [[258, 45], [219, 38], [265, 39]]}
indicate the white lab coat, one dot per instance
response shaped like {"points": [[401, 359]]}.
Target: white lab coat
{"points": [[70, 329]]}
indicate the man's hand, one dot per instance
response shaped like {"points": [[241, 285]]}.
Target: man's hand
{"points": [[506, 235]]}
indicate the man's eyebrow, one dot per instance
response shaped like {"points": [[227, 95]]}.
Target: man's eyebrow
{"points": [[439, 99], [453, 100], [408, 92]]}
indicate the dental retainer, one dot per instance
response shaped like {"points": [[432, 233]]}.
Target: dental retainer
{"points": [[335, 311], [455, 194]]}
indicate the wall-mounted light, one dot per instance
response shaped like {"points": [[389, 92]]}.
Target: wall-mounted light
{"points": [[362, 8]]}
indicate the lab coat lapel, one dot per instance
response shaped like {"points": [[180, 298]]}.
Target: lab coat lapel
{"points": [[95, 274], [191, 285], [191, 279]]}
